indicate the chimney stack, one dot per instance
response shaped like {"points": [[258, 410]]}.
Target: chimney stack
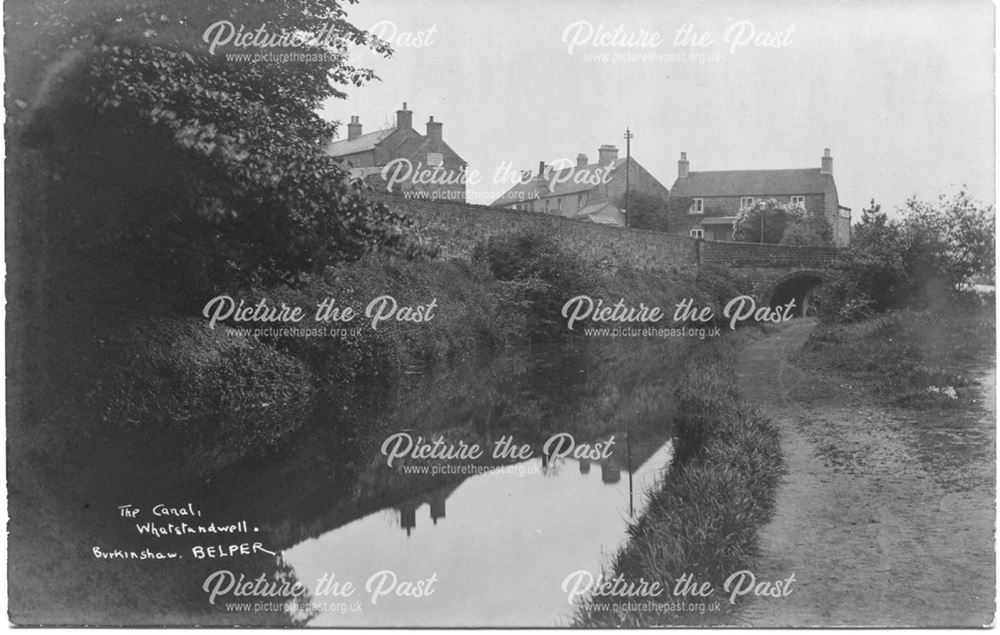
{"points": [[826, 167], [434, 130], [404, 118], [606, 154], [682, 166], [541, 169], [354, 128], [581, 160]]}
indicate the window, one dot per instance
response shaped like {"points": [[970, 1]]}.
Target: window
{"points": [[697, 206], [746, 202], [579, 201], [697, 232], [559, 204], [547, 205], [799, 200]]}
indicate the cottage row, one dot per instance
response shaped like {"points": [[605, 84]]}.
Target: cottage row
{"points": [[703, 204]]}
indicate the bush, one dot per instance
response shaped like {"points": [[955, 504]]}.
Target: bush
{"points": [[538, 275], [777, 218], [924, 260], [179, 369]]}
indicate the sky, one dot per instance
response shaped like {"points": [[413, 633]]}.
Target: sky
{"points": [[901, 92]]}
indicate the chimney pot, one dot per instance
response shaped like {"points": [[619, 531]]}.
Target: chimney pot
{"points": [[434, 129], [404, 118], [683, 166], [606, 154], [543, 185], [354, 128], [826, 164]]}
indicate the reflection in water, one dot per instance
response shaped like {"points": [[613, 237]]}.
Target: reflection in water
{"points": [[436, 500], [500, 540], [508, 543], [499, 543]]}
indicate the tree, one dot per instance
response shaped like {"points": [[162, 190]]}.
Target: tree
{"points": [[809, 229], [181, 160], [776, 219], [918, 259], [953, 237], [646, 211]]}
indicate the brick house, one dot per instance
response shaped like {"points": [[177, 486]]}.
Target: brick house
{"points": [[585, 190], [706, 204], [423, 162]]}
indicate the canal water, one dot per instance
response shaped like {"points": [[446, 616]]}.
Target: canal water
{"points": [[485, 542]]}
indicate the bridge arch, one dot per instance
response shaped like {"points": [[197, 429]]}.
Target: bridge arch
{"points": [[798, 285]]}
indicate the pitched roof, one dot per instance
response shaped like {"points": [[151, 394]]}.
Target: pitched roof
{"points": [[752, 183], [358, 144], [594, 208], [528, 190], [416, 144]]}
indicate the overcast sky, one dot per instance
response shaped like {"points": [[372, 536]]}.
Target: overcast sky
{"points": [[902, 92]]}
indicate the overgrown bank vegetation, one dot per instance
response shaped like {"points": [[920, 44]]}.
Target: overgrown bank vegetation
{"points": [[220, 394], [703, 520], [915, 359]]}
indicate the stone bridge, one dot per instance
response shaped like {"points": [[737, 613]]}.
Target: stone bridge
{"points": [[776, 273]]}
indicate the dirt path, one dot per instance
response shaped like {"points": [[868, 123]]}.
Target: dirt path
{"points": [[885, 517]]}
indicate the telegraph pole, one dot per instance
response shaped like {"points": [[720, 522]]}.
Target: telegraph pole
{"points": [[628, 170]]}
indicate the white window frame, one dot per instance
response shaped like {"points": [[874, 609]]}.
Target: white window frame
{"points": [[801, 200], [697, 206], [697, 232], [746, 202]]}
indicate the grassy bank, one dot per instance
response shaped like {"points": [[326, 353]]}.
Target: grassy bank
{"points": [[703, 520], [918, 359], [218, 395]]}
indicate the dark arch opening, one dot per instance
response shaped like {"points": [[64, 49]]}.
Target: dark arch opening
{"points": [[798, 287]]}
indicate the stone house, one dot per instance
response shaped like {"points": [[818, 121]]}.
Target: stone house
{"points": [[706, 204], [584, 190], [401, 159]]}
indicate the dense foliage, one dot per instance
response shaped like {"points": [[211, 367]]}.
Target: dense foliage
{"points": [[922, 258], [538, 276], [175, 160], [646, 211], [782, 223]]}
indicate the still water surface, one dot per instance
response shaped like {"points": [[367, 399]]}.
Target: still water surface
{"points": [[498, 543]]}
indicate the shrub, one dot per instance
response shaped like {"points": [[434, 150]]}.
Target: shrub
{"points": [[539, 276]]}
